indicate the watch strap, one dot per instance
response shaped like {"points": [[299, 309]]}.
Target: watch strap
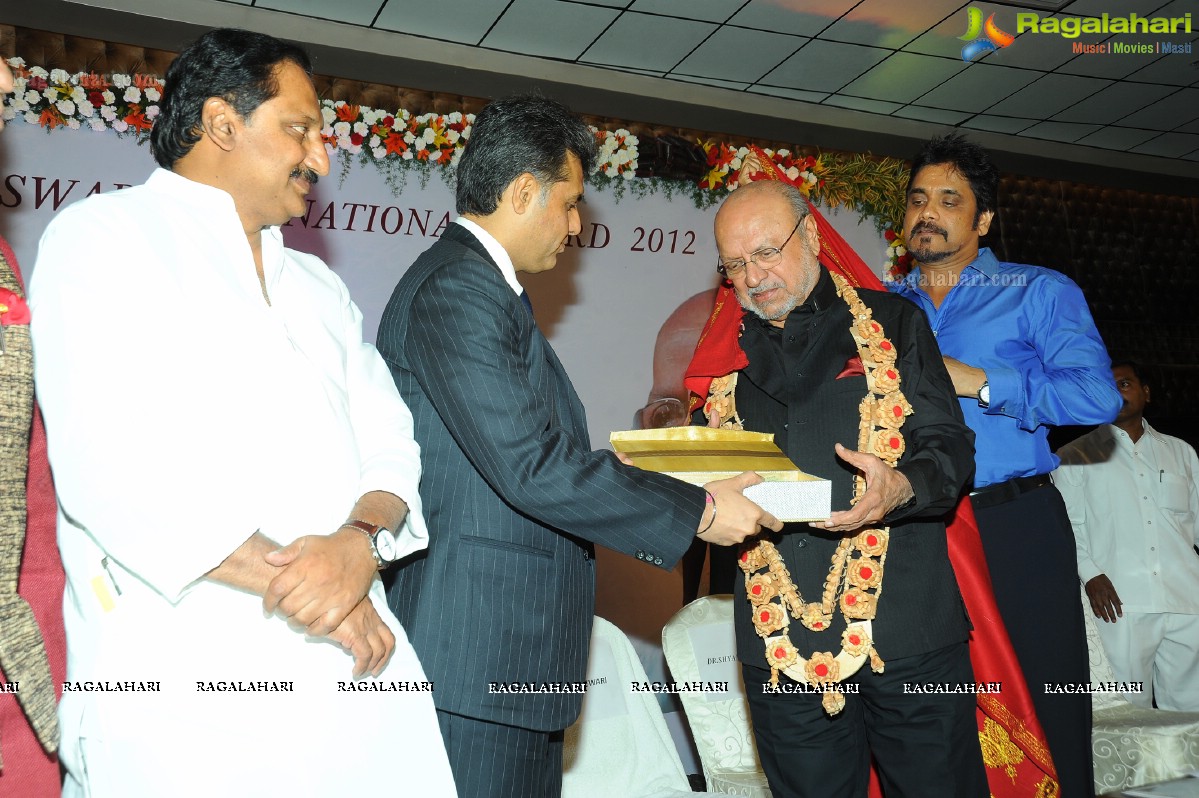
{"points": [[371, 531]]}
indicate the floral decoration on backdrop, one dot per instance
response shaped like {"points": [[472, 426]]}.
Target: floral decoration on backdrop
{"points": [[399, 144]]}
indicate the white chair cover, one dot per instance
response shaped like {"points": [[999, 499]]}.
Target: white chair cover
{"points": [[620, 745], [699, 646], [1132, 745]]}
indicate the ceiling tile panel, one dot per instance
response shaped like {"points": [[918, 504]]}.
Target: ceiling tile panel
{"points": [[1117, 138], [998, 124], [1179, 108], [1059, 131], [1169, 145], [355, 12], [1115, 102], [1174, 68], [904, 76], [808, 20], [1103, 65], [935, 115], [740, 54], [978, 87], [720, 84], [463, 21], [707, 10], [860, 104], [1047, 96], [942, 35], [824, 66], [790, 94], [549, 28], [885, 23], [647, 42], [1094, 8]]}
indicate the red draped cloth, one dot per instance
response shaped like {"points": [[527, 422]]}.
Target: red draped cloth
{"points": [[1014, 749]]}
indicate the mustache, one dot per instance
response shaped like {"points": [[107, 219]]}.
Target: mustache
{"points": [[306, 173], [762, 288], [929, 227]]}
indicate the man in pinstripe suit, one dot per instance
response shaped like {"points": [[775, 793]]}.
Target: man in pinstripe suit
{"points": [[499, 608]]}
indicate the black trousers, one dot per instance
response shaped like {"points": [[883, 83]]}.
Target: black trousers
{"points": [[1034, 569], [491, 760], [925, 744]]}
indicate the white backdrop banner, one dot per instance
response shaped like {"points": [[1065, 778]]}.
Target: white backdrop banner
{"points": [[634, 262]]}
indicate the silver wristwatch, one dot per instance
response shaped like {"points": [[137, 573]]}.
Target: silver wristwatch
{"points": [[384, 545]]}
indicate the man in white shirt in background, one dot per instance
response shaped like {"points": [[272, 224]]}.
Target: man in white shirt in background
{"points": [[1133, 498], [230, 458]]}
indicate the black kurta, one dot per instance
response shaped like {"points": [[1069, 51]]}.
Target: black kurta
{"points": [[790, 388]]}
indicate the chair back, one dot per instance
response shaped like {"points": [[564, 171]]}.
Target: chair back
{"points": [[620, 744], [700, 647]]}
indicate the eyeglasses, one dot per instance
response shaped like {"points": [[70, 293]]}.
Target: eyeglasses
{"points": [[766, 257]]}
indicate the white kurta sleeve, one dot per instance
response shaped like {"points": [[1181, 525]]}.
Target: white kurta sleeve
{"points": [[383, 429]]}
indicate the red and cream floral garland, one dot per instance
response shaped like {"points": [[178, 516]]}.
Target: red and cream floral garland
{"points": [[854, 583]]}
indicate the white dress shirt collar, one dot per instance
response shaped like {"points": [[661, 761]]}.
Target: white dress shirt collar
{"points": [[496, 251]]}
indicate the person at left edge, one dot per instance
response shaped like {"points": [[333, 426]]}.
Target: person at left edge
{"points": [[224, 442], [515, 497]]}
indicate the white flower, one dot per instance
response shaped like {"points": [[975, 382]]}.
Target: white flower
{"points": [[341, 129], [407, 156], [429, 135], [379, 152], [327, 131], [153, 95], [73, 123], [452, 136], [18, 105], [109, 97], [900, 252], [97, 125], [8, 113], [632, 141], [38, 72], [31, 117], [628, 175], [78, 94], [65, 107], [328, 114], [132, 94], [735, 164], [32, 97], [793, 173], [16, 61], [108, 112], [361, 129], [120, 125], [121, 81], [374, 141], [409, 138], [343, 142], [152, 112], [59, 76]]}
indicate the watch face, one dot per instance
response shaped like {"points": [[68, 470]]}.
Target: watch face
{"points": [[385, 544]]}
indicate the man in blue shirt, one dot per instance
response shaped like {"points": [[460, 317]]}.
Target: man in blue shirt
{"points": [[1023, 353]]}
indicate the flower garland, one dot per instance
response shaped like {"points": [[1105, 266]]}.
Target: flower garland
{"points": [[854, 585], [396, 141]]}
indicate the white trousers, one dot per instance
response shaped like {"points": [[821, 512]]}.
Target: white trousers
{"points": [[1160, 649]]}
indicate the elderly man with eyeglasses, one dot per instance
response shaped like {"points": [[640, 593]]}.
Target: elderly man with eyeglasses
{"points": [[853, 387]]}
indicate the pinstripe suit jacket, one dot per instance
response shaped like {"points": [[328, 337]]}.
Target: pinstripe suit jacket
{"points": [[513, 495]]}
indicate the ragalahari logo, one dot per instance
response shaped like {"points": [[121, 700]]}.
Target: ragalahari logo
{"points": [[982, 37]]}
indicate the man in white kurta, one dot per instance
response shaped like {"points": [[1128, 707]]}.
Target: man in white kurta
{"points": [[209, 400], [1133, 498]]}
